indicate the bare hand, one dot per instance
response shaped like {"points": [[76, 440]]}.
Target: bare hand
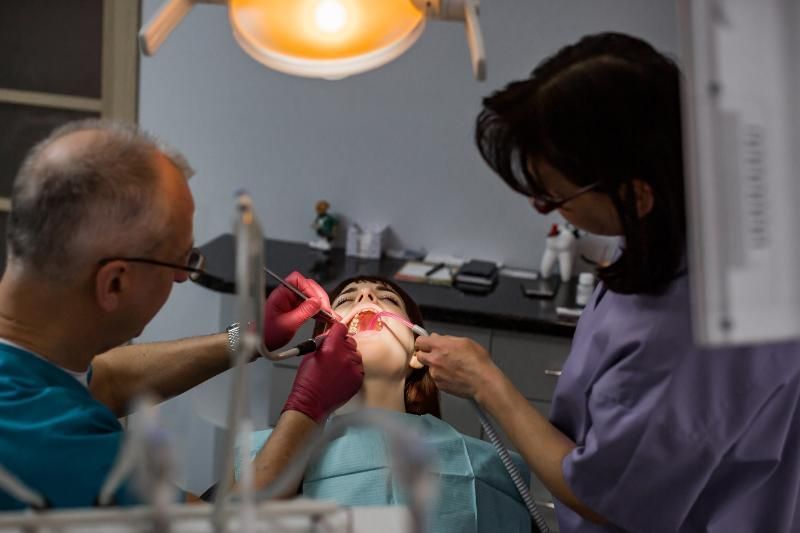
{"points": [[458, 365]]}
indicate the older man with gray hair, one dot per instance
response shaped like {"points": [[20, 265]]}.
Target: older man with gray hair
{"points": [[100, 229]]}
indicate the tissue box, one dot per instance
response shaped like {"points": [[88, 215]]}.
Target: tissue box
{"points": [[364, 242]]}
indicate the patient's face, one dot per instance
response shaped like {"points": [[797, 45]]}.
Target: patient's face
{"points": [[385, 346]]}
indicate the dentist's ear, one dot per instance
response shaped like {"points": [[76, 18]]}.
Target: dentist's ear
{"points": [[111, 281]]}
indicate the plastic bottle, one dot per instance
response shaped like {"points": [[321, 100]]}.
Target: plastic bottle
{"points": [[585, 288]]}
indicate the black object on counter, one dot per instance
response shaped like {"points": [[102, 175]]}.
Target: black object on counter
{"points": [[541, 288], [477, 277]]}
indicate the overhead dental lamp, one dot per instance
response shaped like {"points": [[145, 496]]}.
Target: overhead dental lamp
{"points": [[329, 39]]}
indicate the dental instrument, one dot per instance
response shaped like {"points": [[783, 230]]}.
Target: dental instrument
{"points": [[415, 328], [250, 293], [325, 313], [307, 346], [490, 431]]}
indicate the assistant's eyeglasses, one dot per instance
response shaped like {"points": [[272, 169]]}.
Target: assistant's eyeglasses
{"points": [[545, 204]]}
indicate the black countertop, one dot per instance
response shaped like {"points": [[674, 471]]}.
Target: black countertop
{"points": [[504, 308]]}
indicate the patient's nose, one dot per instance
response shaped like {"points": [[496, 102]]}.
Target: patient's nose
{"points": [[365, 295]]}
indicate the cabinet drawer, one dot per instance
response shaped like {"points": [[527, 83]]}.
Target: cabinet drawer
{"points": [[549, 514], [532, 362], [482, 336], [459, 413]]}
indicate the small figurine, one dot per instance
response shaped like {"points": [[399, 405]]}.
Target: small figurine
{"points": [[561, 245], [325, 227]]}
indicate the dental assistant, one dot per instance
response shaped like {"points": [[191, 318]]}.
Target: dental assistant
{"points": [[101, 227], [647, 432]]}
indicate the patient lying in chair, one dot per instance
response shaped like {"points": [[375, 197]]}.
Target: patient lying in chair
{"points": [[475, 492]]}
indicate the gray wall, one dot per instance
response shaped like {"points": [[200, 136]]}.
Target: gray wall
{"points": [[392, 146]]}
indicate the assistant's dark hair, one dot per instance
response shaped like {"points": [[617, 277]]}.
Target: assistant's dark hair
{"points": [[606, 109], [421, 393]]}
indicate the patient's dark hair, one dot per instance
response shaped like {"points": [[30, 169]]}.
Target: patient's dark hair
{"points": [[607, 110], [421, 392]]}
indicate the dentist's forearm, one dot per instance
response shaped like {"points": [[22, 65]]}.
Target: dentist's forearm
{"points": [[163, 368]]}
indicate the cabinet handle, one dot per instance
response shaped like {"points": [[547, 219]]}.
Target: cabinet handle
{"points": [[554, 373], [549, 505]]}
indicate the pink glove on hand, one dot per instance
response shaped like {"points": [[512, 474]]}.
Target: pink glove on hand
{"points": [[285, 312], [327, 378]]}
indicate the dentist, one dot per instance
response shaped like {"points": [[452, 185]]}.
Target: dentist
{"points": [[99, 231]]}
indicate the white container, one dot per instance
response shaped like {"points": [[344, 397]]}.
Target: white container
{"points": [[585, 288], [365, 242]]}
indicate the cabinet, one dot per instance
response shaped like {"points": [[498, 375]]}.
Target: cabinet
{"points": [[532, 362]]}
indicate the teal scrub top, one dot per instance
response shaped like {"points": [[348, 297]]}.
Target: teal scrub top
{"points": [[54, 436]]}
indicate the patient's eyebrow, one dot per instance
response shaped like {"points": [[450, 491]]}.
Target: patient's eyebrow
{"points": [[348, 291], [337, 300], [388, 289]]}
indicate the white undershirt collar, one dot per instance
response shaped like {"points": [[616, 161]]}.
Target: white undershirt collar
{"points": [[82, 377]]}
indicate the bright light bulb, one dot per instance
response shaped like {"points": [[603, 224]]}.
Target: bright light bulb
{"points": [[330, 16]]}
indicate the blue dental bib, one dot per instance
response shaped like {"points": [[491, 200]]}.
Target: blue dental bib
{"points": [[475, 492]]}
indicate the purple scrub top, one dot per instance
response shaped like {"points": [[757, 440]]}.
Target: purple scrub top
{"points": [[671, 437]]}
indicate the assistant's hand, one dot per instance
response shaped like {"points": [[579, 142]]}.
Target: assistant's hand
{"points": [[327, 378], [285, 312], [458, 365]]}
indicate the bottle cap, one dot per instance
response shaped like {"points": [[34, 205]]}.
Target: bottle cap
{"points": [[586, 278]]}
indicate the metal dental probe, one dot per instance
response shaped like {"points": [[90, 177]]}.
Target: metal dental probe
{"points": [[326, 314]]}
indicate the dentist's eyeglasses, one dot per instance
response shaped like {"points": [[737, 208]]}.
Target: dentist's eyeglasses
{"points": [[195, 266], [194, 263]]}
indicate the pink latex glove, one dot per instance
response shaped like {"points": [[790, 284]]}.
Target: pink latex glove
{"points": [[285, 312], [327, 378]]}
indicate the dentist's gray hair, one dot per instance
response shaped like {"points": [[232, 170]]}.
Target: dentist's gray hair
{"points": [[71, 203]]}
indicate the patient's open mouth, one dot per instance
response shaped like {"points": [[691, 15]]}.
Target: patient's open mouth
{"points": [[362, 322]]}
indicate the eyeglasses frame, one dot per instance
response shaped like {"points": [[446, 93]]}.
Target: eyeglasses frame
{"points": [[547, 205], [194, 271]]}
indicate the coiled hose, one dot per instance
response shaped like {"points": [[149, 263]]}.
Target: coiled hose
{"points": [[511, 468]]}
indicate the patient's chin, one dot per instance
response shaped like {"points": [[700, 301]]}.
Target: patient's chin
{"points": [[385, 362]]}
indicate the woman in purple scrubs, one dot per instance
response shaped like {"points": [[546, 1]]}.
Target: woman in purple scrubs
{"points": [[648, 432]]}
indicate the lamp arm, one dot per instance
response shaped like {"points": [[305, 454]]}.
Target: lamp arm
{"points": [[460, 10], [477, 51], [171, 13]]}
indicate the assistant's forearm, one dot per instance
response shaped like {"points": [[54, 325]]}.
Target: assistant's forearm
{"points": [[289, 437], [163, 368], [540, 443]]}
